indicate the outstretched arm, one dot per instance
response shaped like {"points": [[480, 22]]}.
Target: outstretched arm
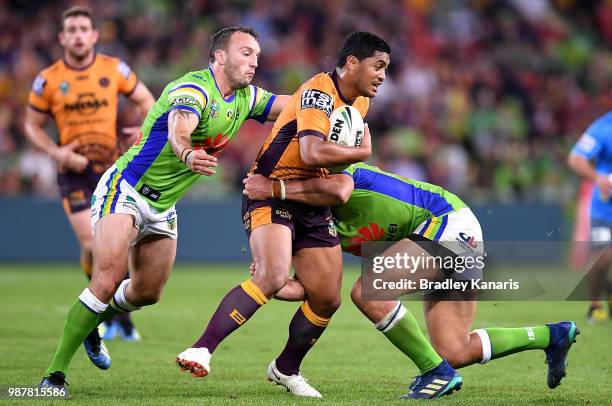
{"points": [[279, 103], [336, 189]]}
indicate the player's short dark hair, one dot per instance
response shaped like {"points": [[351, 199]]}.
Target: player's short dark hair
{"points": [[361, 45], [76, 11], [222, 37]]}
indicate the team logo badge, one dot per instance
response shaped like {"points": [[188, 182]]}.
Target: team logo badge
{"points": [[230, 114], [214, 109], [64, 87], [171, 220], [104, 81]]}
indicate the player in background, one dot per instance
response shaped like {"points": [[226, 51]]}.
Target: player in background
{"points": [[423, 220], [591, 158], [133, 207], [281, 230], [81, 93]]}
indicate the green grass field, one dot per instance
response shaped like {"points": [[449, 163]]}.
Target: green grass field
{"points": [[351, 363]]}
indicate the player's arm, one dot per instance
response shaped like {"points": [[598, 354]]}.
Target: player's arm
{"points": [[277, 106], [181, 123], [333, 190], [142, 98], [316, 151], [36, 134], [584, 168], [579, 160]]}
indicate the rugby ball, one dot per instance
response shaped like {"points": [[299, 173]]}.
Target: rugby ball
{"points": [[346, 126]]}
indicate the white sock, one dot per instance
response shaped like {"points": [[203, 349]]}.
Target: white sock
{"points": [[92, 302], [119, 301], [486, 345], [391, 319]]}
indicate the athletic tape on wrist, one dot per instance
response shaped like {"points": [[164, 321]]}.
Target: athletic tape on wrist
{"points": [[282, 191]]}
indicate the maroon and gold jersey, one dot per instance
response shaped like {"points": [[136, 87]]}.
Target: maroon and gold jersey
{"points": [[84, 102], [306, 114]]}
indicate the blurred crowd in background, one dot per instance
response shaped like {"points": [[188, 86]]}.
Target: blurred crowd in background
{"points": [[482, 97]]}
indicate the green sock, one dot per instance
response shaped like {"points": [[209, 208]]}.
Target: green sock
{"points": [[409, 339], [506, 341], [108, 314], [79, 323]]}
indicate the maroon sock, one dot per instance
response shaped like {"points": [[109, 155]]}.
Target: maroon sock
{"points": [[303, 333], [234, 310]]}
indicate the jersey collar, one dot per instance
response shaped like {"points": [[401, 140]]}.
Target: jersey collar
{"points": [[334, 77], [230, 98], [84, 67]]}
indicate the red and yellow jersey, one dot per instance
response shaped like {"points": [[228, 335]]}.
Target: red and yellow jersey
{"points": [[84, 102], [306, 114]]}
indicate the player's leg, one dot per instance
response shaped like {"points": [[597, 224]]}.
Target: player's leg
{"points": [[271, 249], [449, 324], [111, 243], [319, 270], [601, 238], [80, 221]]}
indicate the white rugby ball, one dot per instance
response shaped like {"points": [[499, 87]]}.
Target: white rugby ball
{"points": [[346, 126]]}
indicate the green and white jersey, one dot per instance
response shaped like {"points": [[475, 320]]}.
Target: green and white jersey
{"points": [[388, 207], [152, 167]]}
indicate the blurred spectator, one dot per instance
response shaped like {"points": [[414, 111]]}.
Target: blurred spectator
{"points": [[483, 97]]}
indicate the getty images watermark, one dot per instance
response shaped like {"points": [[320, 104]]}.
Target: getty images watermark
{"points": [[515, 270]]}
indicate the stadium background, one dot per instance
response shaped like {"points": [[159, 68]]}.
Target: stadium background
{"points": [[483, 97]]}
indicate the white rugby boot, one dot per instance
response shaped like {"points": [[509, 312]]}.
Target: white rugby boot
{"points": [[195, 360], [296, 384]]}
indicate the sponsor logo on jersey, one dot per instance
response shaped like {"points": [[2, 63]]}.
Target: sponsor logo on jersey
{"points": [[184, 100], [466, 239], [332, 228], [283, 214], [86, 104], [391, 230], [39, 85], [371, 232], [104, 81], [317, 99], [246, 220], [586, 143], [150, 193], [64, 87], [124, 69], [82, 77], [230, 114]]}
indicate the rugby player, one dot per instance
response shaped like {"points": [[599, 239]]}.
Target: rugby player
{"points": [[133, 207], [81, 92], [591, 158], [422, 220], [279, 230]]}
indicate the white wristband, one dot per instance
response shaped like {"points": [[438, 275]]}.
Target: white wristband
{"points": [[282, 194]]}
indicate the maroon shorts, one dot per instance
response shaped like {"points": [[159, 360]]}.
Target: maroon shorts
{"points": [[76, 188], [310, 226]]}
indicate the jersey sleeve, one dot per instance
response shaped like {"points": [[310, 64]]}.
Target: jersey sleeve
{"points": [[190, 96], [313, 109], [260, 103], [127, 79], [350, 170], [40, 95], [590, 143]]}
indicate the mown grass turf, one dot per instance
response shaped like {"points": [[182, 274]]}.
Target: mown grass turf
{"points": [[351, 363]]}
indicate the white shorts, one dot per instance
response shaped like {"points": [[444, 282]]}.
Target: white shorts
{"points": [[458, 231], [114, 195]]}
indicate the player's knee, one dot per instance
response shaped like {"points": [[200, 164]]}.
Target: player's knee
{"points": [[271, 279], [104, 288], [325, 306]]}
